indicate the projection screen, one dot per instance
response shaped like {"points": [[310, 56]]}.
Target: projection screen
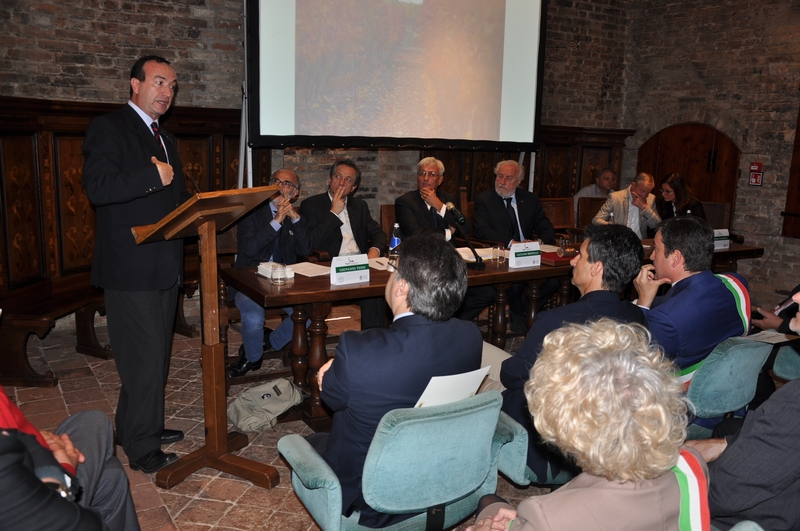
{"points": [[394, 73]]}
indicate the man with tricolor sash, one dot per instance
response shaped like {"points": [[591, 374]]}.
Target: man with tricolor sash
{"points": [[701, 309]]}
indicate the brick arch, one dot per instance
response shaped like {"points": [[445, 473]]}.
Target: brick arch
{"points": [[722, 122]]}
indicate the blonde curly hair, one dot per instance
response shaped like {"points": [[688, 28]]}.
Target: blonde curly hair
{"points": [[606, 396]]}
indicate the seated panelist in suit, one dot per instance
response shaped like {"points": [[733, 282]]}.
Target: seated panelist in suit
{"points": [[605, 181], [272, 232], [633, 207], [133, 176], [376, 371], [609, 258], [424, 209], [701, 309], [340, 224], [506, 215]]}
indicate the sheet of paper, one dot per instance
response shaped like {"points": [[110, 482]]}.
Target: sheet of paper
{"points": [[467, 255], [772, 336], [308, 269], [381, 264], [446, 389], [548, 248]]}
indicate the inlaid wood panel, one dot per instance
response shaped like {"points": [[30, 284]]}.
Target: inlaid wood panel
{"points": [[76, 217], [195, 153], [22, 211]]}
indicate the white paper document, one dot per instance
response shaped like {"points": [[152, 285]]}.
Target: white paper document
{"points": [[381, 264], [772, 336], [308, 269], [467, 255], [446, 389], [549, 248]]}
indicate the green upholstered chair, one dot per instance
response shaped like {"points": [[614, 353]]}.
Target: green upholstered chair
{"points": [[726, 381], [787, 361], [514, 456], [419, 458]]}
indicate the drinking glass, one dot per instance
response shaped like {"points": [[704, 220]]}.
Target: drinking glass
{"points": [[278, 275]]}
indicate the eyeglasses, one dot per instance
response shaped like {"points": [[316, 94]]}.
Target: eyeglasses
{"points": [[423, 174], [340, 177], [284, 184], [667, 192]]}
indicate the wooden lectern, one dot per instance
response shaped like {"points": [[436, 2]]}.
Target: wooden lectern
{"points": [[205, 214]]}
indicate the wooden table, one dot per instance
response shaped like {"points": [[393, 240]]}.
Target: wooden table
{"points": [[311, 298]]}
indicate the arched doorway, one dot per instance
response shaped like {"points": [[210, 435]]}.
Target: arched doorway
{"points": [[704, 156]]}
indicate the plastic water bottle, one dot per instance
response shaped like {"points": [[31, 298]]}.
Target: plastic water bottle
{"points": [[393, 243]]}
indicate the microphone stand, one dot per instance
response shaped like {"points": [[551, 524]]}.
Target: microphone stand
{"points": [[478, 264]]}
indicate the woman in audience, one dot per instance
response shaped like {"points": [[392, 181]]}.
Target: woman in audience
{"points": [[677, 199], [606, 396]]}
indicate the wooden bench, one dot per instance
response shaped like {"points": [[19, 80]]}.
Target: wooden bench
{"points": [[38, 315]]}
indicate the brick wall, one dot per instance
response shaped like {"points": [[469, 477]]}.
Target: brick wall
{"points": [[83, 49]]}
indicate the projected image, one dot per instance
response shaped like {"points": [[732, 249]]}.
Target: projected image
{"points": [[401, 68]]}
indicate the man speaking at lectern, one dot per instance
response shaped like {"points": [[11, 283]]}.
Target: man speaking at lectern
{"points": [[132, 176]]}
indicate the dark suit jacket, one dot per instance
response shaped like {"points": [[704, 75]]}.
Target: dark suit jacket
{"points": [[414, 215], [124, 187], [378, 370], [493, 223], [694, 316], [324, 226], [516, 370], [757, 477], [256, 237]]}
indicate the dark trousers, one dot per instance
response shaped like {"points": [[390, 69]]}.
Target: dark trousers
{"points": [[140, 325], [104, 481]]}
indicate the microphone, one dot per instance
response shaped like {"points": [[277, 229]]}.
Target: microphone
{"points": [[453, 210], [189, 175]]}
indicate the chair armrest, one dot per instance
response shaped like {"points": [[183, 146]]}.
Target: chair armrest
{"points": [[514, 451], [736, 238], [313, 481]]}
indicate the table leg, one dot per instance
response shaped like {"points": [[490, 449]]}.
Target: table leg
{"points": [[300, 347], [534, 295], [565, 291], [314, 413], [498, 325]]}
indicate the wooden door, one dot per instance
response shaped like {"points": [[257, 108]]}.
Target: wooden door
{"points": [[705, 157]]}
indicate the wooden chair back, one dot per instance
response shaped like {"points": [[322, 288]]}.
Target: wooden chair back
{"points": [[559, 211], [587, 208], [387, 220]]}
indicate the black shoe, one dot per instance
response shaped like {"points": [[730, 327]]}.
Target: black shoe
{"points": [[242, 367], [153, 461], [171, 436], [266, 346], [167, 437]]}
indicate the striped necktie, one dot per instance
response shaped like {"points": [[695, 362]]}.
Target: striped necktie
{"points": [[154, 127]]}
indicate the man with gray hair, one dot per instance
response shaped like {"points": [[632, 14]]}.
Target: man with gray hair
{"points": [[424, 209], [509, 214], [633, 207]]}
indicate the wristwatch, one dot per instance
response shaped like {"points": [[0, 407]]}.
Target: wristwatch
{"points": [[65, 492]]}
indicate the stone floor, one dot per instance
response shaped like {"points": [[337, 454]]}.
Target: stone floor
{"points": [[208, 499]]}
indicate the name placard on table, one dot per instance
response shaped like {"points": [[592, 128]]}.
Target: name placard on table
{"points": [[349, 269], [527, 254]]}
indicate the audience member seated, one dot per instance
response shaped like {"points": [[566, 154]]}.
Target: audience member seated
{"points": [[633, 207], [340, 225], [609, 258], [423, 210], [507, 215], [677, 199], [778, 319], [605, 396], [376, 371], [755, 474], [701, 309], [272, 232], [66, 480], [605, 181]]}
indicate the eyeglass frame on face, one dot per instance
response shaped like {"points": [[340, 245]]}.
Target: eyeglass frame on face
{"points": [[285, 184], [665, 192], [423, 174]]}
